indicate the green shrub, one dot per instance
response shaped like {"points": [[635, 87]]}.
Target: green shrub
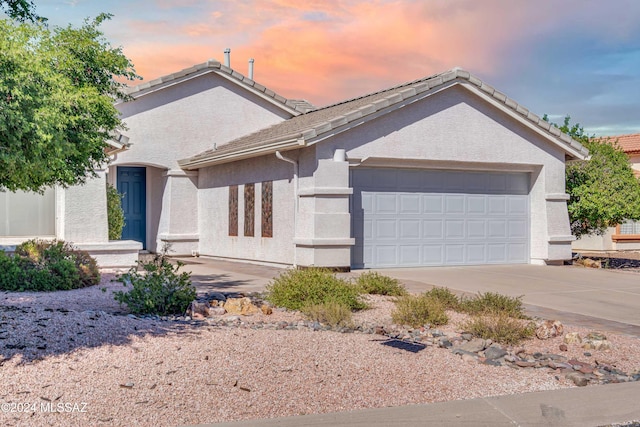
{"points": [[295, 289], [490, 302], [330, 313], [157, 289], [40, 265], [449, 300], [499, 327], [374, 283], [419, 310], [115, 214]]}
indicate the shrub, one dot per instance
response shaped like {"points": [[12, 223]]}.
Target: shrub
{"points": [[419, 310], [330, 312], [40, 265], [115, 214], [490, 302], [295, 289], [374, 283], [499, 327], [449, 300], [157, 289]]}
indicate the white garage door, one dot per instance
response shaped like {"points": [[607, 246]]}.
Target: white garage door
{"points": [[405, 218]]}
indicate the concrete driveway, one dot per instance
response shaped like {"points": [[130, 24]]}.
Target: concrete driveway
{"points": [[602, 294]]}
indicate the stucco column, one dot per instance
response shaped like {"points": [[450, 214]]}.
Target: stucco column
{"points": [[178, 223], [323, 235]]}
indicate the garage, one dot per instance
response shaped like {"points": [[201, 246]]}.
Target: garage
{"points": [[413, 217]]}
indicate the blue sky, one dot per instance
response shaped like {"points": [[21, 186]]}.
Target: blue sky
{"points": [[577, 57]]}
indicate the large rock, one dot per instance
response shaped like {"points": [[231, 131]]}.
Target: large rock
{"points": [[578, 379], [198, 309], [473, 346], [494, 352], [242, 306], [549, 329], [572, 338]]}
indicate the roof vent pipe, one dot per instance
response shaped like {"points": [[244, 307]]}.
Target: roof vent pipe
{"points": [[251, 68], [227, 57]]}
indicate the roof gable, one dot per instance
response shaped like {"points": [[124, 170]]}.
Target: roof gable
{"points": [[314, 126], [293, 106]]}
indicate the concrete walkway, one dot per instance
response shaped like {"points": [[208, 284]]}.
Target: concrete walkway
{"points": [[584, 407]]}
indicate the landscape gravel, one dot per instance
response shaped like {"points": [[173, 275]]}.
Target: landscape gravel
{"points": [[80, 348]]}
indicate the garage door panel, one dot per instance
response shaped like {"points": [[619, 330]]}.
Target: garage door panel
{"points": [[432, 204], [432, 254], [409, 255], [454, 204], [433, 229], [476, 229], [385, 229], [476, 205], [428, 217], [385, 203], [476, 254], [409, 203], [454, 254], [409, 229]]}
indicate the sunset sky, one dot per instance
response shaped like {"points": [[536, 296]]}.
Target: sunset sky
{"points": [[577, 57]]}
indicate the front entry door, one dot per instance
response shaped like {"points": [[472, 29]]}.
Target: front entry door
{"points": [[132, 184]]}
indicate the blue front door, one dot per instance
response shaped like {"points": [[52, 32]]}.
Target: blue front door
{"points": [[132, 184]]}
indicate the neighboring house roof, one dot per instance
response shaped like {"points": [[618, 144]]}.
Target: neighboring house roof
{"points": [[630, 144], [311, 127], [294, 106]]}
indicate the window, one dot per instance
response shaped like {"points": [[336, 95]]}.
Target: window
{"points": [[267, 209], [630, 227], [249, 206], [26, 214], [233, 210]]}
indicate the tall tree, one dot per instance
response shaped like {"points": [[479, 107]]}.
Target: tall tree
{"points": [[603, 190], [22, 10], [57, 90]]}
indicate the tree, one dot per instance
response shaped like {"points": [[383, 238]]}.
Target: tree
{"points": [[22, 10], [603, 190], [57, 92]]}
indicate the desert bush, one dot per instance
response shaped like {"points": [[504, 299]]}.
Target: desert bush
{"points": [[330, 312], [449, 300], [41, 265], [499, 327], [374, 283], [115, 214], [490, 302], [419, 310], [158, 289], [295, 289]]}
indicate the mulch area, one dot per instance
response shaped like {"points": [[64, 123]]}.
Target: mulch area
{"points": [[627, 260]]}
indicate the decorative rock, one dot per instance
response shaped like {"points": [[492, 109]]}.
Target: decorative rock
{"points": [[473, 346], [468, 357], [214, 303], [578, 379], [266, 309], [217, 311], [590, 263], [525, 364], [467, 337], [242, 306], [572, 338], [200, 309], [597, 345], [596, 336], [494, 352], [549, 329], [563, 347]]}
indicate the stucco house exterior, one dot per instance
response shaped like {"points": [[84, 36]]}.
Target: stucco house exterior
{"points": [[623, 237], [444, 170]]}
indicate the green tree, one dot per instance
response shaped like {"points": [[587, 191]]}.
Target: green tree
{"points": [[603, 190], [57, 92], [22, 10]]}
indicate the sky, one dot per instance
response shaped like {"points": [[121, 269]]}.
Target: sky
{"points": [[559, 57]]}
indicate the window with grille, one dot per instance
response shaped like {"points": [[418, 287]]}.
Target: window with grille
{"points": [[630, 227]]}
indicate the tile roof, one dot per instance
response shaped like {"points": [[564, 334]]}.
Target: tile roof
{"points": [[297, 131], [296, 106], [630, 144]]}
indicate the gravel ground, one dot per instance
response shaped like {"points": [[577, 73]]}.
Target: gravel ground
{"points": [[79, 349]]}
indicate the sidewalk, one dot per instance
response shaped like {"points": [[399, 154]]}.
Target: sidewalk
{"points": [[588, 406]]}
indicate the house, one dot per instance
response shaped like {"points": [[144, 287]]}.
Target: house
{"points": [[444, 170], [624, 236]]}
